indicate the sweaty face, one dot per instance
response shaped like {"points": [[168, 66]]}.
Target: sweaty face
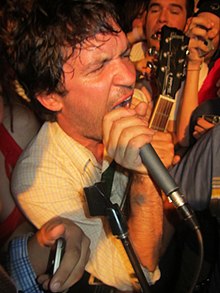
{"points": [[170, 12], [99, 77]]}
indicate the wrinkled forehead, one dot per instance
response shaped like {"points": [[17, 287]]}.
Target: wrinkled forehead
{"points": [[101, 38], [100, 48], [98, 41]]}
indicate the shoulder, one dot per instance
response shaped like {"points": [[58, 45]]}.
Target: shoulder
{"points": [[25, 124]]}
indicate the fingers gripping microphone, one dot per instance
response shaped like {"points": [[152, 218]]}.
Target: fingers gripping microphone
{"points": [[166, 183]]}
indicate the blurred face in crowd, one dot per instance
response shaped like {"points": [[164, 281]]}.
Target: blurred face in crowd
{"points": [[169, 12], [99, 77]]}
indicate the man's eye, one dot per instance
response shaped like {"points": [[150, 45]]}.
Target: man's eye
{"points": [[175, 11], [154, 9], [98, 68]]}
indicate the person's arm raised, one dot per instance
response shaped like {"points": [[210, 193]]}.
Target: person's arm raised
{"points": [[125, 132]]}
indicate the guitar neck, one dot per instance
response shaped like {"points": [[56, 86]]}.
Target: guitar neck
{"points": [[160, 117], [169, 75]]}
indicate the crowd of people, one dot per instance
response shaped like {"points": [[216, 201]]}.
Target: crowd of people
{"points": [[79, 87]]}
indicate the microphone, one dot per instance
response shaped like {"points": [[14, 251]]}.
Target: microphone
{"points": [[166, 183]]}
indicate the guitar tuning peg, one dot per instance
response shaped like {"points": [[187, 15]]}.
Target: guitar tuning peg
{"points": [[150, 65], [163, 68], [181, 61], [152, 51], [156, 54], [184, 48], [180, 75]]}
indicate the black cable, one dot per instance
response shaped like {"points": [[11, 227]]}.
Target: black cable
{"points": [[200, 259]]}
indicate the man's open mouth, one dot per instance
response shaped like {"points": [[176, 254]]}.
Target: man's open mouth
{"points": [[126, 103]]}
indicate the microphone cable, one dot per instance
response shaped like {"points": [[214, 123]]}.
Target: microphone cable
{"points": [[200, 260]]}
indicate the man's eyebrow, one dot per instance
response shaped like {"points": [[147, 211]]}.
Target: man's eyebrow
{"points": [[104, 59], [97, 61], [176, 5], [171, 4], [153, 4]]}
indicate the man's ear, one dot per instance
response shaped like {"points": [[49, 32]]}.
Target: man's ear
{"points": [[52, 102]]}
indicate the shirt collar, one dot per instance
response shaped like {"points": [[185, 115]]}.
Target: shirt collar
{"points": [[82, 156]]}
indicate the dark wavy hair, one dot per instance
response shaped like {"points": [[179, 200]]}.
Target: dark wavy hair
{"points": [[35, 34], [128, 10]]}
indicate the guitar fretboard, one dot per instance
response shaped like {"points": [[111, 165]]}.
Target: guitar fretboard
{"points": [[160, 117]]}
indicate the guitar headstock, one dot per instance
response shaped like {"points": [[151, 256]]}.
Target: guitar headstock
{"points": [[171, 60]]}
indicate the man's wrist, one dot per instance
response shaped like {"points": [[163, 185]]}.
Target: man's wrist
{"points": [[194, 65], [38, 255]]}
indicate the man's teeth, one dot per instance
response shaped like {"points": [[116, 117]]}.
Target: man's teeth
{"points": [[125, 103], [156, 36]]}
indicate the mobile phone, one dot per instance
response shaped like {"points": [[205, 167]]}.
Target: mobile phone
{"points": [[56, 255], [214, 119]]}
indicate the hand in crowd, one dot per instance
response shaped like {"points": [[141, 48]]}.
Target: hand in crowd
{"points": [[202, 30], [202, 127], [74, 259], [142, 66]]}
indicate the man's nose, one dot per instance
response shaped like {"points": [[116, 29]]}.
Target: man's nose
{"points": [[125, 74], [163, 17]]}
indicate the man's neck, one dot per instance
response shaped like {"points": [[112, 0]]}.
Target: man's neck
{"points": [[97, 149], [95, 146]]}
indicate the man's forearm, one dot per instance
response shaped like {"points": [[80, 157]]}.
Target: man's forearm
{"points": [[146, 220]]}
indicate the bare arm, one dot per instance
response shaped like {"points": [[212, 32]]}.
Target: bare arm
{"points": [[200, 29], [129, 132], [146, 220], [188, 104]]}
